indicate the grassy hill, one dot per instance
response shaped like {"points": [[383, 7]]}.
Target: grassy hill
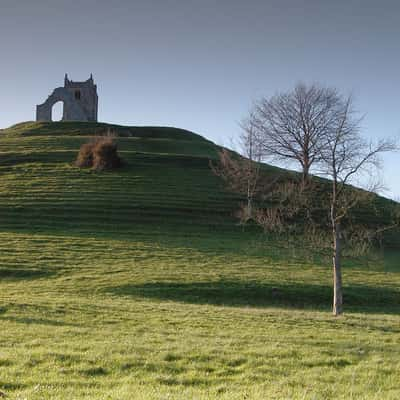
{"points": [[144, 192], [139, 284]]}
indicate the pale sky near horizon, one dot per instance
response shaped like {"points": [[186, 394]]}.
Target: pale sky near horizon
{"points": [[199, 65]]}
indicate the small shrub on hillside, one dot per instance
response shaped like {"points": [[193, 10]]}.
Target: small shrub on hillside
{"points": [[85, 156], [100, 154], [105, 155]]}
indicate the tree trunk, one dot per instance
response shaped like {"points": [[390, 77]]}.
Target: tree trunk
{"points": [[249, 207], [305, 175], [337, 272]]}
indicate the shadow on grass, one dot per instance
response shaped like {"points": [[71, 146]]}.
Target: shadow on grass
{"points": [[16, 273], [11, 386], [36, 321], [7, 310], [238, 294]]}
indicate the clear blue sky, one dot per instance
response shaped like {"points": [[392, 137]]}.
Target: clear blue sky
{"points": [[199, 64]]}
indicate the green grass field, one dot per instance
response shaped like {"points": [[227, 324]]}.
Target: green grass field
{"points": [[139, 284]]}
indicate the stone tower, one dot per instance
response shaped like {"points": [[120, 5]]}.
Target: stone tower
{"points": [[79, 98]]}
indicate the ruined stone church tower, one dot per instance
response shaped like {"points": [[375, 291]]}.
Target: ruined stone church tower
{"points": [[79, 98]]}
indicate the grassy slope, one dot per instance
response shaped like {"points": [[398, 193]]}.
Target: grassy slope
{"points": [[137, 284]]}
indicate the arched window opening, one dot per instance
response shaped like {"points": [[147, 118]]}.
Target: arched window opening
{"points": [[77, 94], [57, 111]]}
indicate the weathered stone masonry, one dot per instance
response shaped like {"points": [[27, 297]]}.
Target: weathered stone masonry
{"points": [[79, 98]]}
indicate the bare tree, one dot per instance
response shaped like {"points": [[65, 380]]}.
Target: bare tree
{"points": [[250, 149], [241, 173], [345, 156], [316, 126], [324, 135], [291, 126]]}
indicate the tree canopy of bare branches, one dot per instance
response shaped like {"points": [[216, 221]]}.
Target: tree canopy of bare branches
{"points": [[292, 126]]}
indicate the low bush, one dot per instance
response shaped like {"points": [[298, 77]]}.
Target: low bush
{"points": [[85, 156], [100, 154], [105, 154]]}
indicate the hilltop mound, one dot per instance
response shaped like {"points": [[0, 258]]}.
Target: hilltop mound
{"points": [[91, 128], [166, 180]]}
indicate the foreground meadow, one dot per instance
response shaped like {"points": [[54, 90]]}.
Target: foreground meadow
{"points": [[138, 285], [96, 318]]}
